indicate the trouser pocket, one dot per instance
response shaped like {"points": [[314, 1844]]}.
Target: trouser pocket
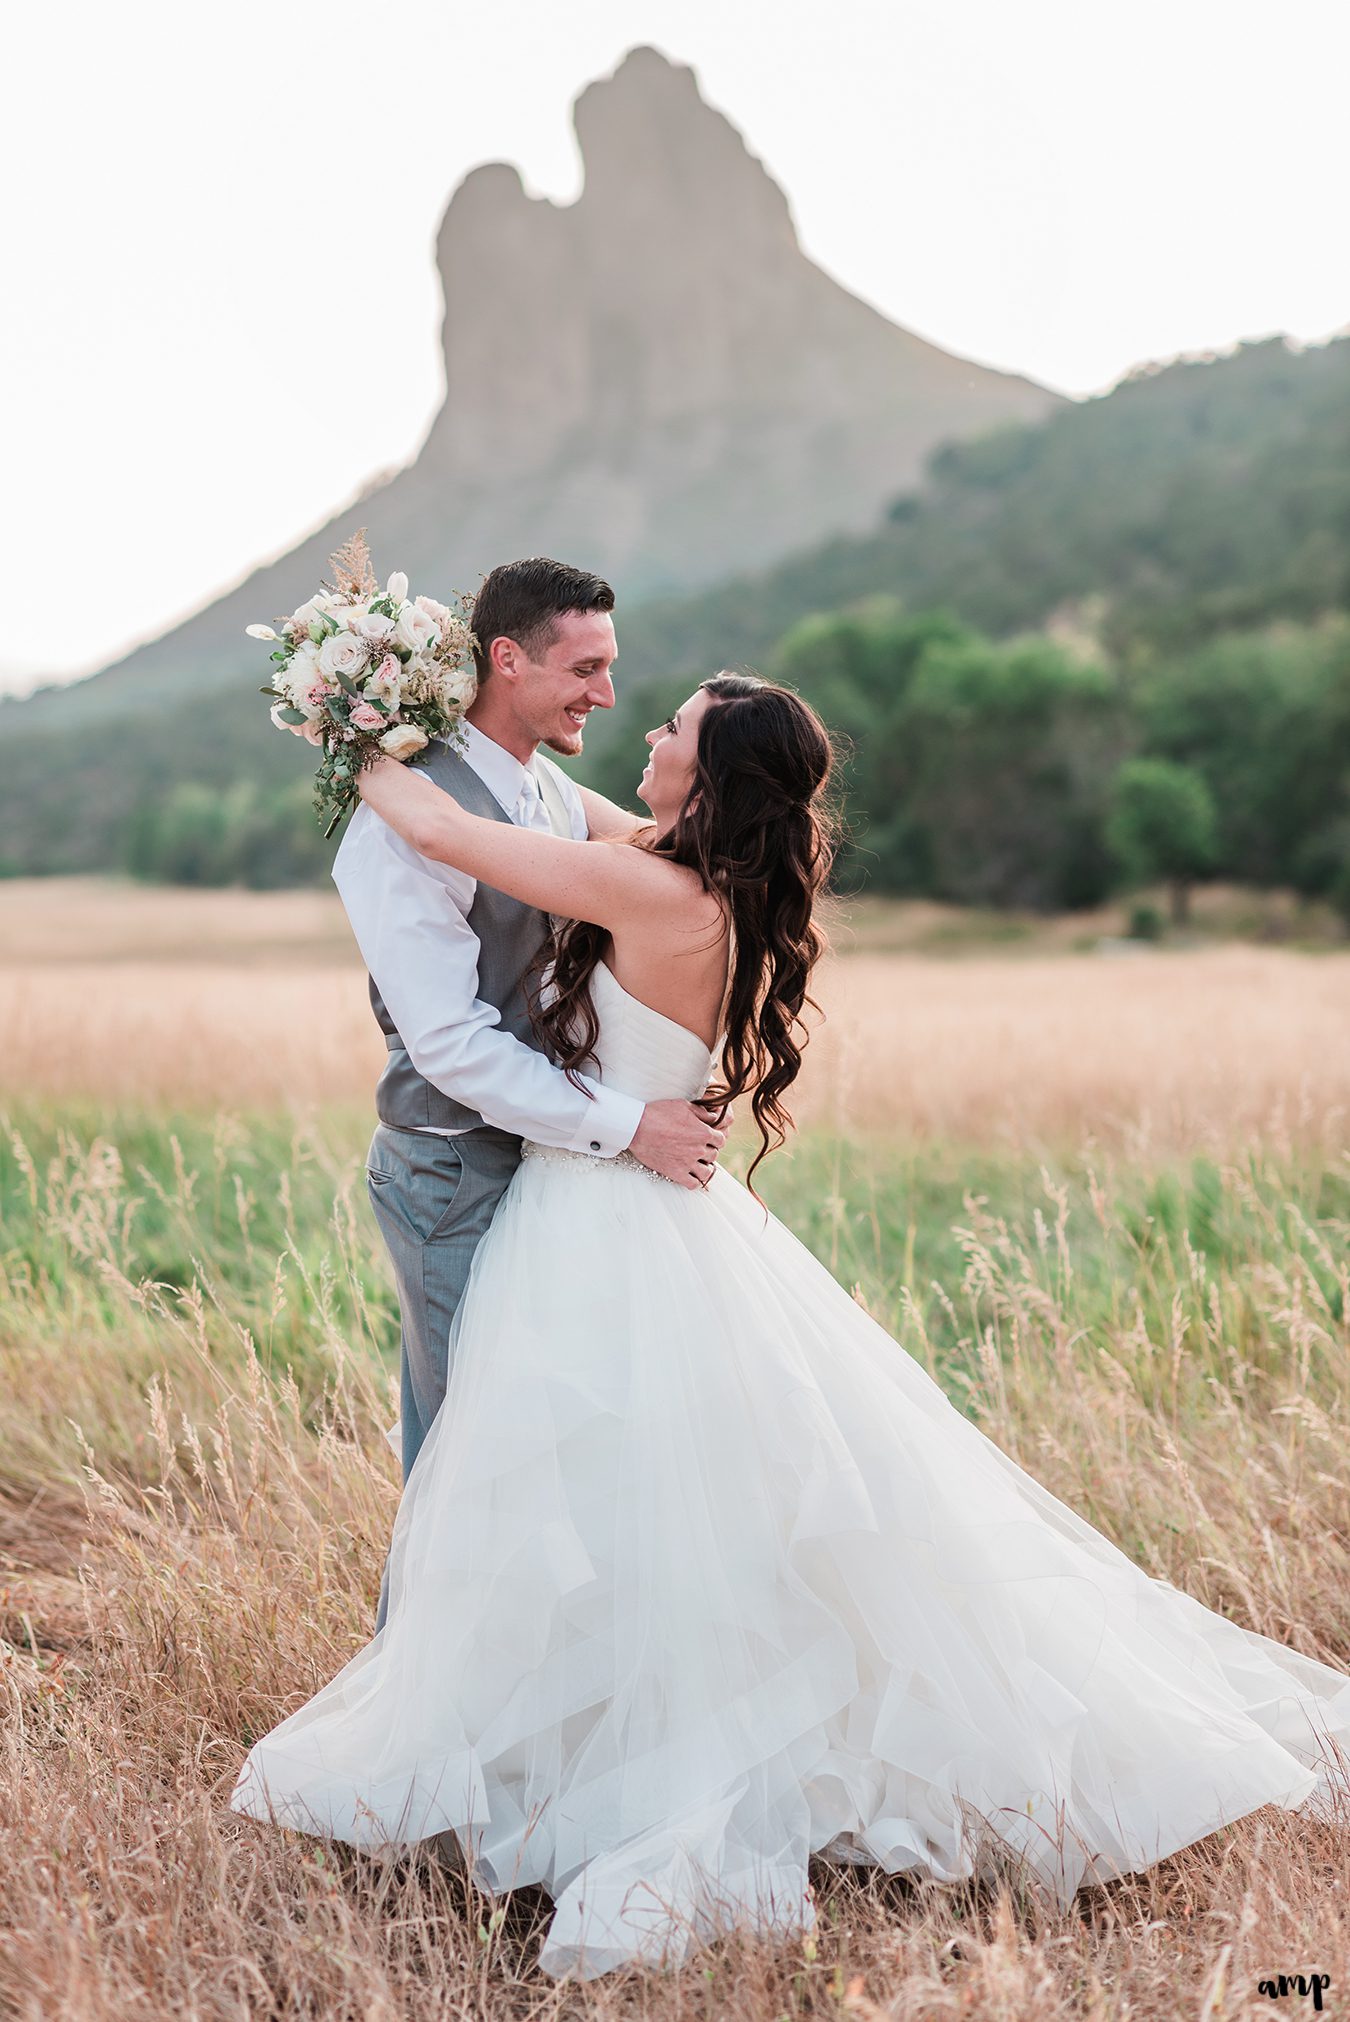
{"points": [[414, 1181]]}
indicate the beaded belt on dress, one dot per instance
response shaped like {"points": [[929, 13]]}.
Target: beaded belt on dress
{"points": [[553, 1154]]}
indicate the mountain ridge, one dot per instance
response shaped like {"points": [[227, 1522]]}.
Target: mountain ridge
{"points": [[1183, 538]]}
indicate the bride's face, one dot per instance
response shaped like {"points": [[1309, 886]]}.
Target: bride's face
{"points": [[669, 772]]}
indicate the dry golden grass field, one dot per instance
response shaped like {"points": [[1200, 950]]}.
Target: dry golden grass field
{"points": [[230, 1000], [1104, 1197]]}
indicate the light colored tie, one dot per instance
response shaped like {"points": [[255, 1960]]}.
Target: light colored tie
{"points": [[530, 809], [531, 813]]}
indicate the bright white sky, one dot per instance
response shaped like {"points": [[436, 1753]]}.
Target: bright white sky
{"points": [[222, 309]]}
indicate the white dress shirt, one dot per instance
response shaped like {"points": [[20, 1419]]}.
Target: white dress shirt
{"points": [[410, 916]]}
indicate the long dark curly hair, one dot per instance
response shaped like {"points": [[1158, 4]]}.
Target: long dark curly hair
{"points": [[757, 828]]}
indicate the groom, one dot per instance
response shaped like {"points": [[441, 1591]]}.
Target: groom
{"points": [[465, 1081]]}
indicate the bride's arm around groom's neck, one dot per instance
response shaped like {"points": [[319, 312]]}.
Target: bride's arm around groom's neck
{"points": [[615, 889], [606, 821]]}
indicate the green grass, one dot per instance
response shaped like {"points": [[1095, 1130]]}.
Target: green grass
{"points": [[197, 1347], [128, 1239]]}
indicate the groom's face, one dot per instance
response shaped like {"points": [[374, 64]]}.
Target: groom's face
{"points": [[556, 692]]}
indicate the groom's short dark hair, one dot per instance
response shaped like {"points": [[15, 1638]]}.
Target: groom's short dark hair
{"points": [[522, 600]]}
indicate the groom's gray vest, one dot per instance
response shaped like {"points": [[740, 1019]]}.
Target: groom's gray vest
{"points": [[510, 935]]}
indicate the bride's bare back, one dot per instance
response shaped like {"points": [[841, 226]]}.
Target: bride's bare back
{"points": [[676, 962], [674, 954]]}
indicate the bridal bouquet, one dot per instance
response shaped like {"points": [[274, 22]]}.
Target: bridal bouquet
{"points": [[371, 670]]}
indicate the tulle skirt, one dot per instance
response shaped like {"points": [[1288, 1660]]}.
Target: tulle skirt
{"points": [[699, 1574]]}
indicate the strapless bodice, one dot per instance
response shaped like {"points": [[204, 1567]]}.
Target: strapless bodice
{"points": [[641, 1051]]}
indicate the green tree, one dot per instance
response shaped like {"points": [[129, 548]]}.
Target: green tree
{"points": [[858, 668], [1162, 825], [1004, 755], [1264, 717], [239, 835], [192, 843], [973, 771]]}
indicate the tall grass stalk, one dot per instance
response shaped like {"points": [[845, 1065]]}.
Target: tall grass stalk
{"points": [[196, 1342]]}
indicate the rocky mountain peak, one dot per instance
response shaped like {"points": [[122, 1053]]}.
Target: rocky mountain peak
{"points": [[657, 154], [652, 380]]}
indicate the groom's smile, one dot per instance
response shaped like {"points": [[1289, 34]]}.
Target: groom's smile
{"points": [[570, 678], [542, 686]]}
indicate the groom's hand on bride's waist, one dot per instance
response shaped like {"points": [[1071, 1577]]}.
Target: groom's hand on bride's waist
{"points": [[681, 1141]]}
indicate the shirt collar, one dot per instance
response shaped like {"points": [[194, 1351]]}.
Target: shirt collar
{"points": [[500, 771]]}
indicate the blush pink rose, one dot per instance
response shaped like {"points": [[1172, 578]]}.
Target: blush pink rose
{"points": [[366, 717]]}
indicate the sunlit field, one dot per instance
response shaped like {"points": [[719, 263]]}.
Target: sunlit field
{"points": [[1104, 1197], [208, 1001]]}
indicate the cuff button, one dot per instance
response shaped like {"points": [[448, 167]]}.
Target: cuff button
{"points": [[595, 1144]]}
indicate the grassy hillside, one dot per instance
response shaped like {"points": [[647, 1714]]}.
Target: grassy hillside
{"points": [[1140, 535], [1162, 575], [1195, 498]]}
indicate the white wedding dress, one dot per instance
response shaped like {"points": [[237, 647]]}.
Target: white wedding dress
{"points": [[699, 1573]]}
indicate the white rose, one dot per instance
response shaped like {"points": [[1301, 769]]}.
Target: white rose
{"points": [[309, 615], [402, 741], [344, 611], [397, 586], [415, 631], [453, 687], [343, 653], [300, 673], [372, 626], [303, 663], [439, 614]]}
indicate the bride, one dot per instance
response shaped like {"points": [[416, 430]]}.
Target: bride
{"points": [[698, 1572]]}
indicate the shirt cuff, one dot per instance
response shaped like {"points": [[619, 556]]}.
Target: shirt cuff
{"points": [[610, 1123]]}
